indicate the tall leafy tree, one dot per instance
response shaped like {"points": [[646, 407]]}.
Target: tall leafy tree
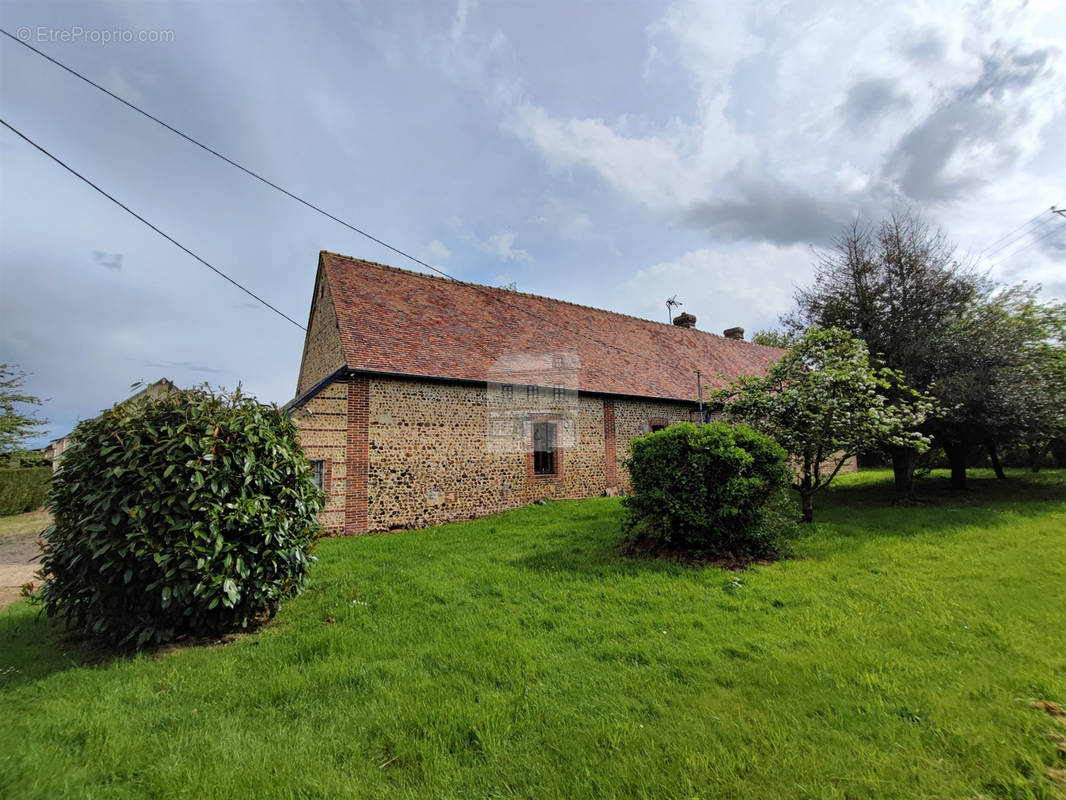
{"points": [[17, 424], [1001, 365], [824, 403], [900, 288]]}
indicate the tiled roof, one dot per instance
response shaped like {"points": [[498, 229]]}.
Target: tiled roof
{"points": [[396, 321]]}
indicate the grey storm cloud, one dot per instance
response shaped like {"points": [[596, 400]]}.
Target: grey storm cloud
{"points": [[765, 209], [869, 99], [975, 115]]}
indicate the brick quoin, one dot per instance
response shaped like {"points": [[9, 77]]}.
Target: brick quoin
{"points": [[609, 450], [358, 451]]}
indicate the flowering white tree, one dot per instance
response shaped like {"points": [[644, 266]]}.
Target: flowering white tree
{"points": [[824, 403]]}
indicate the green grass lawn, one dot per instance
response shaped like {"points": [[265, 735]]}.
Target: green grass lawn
{"points": [[895, 656], [20, 524]]}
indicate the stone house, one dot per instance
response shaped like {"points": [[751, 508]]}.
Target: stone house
{"points": [[422, 399]]}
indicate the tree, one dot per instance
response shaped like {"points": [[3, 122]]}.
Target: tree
{"points": [[16, 426], [775, 338], [900, 289], [824, 403], [1001, 367]]}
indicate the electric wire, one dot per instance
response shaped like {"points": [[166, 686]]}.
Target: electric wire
{"points": [[166, 236], [251, 173]]}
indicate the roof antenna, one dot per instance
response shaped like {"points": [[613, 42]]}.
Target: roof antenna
{"points": [[670, 304]]}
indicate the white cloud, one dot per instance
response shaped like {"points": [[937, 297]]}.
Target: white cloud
{"points": [[745, 285], [435, 253], [500, 245]]}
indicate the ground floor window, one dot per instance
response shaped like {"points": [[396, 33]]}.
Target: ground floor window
{"points": [[318, 473], [544, 446]]}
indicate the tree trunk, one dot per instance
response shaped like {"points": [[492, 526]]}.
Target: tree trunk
{"points": [[903, 462], [1036, 455], [993, 454], [808, 504], [806, 489], [957, 453]]}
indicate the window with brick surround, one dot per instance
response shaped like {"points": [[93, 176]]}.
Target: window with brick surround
{"points": [[558, 391], [532, 391], [318, 473], [507, 391], [657, 424], [545, 438]]}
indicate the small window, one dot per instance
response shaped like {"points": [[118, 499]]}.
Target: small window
{"points": [[657, 427], [507, 391], [557, 362], [558, 391], [544, 448], [532, 391], [318, 473]]}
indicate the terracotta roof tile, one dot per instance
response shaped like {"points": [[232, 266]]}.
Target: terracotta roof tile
{"points": [[397, 321]]}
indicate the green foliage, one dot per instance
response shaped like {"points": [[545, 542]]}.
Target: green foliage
{"points": [[705, 489], [823, 403], [189, 513], [16, 426], [23, 490], [775, 338]]}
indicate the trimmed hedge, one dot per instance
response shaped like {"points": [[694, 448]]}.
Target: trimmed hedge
{"points": [[23, 489], [189, 513], [709, 489]]}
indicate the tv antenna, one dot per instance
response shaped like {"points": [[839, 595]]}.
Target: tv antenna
{"points": [[670, 305]]}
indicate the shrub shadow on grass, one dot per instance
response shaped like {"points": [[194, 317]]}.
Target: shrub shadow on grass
{"points": [[32, 647]]}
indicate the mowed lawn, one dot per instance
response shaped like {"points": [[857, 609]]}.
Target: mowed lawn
{"points": [[896, 655]]}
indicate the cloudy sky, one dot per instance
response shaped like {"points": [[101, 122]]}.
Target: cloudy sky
{"points": [[610, 153]]}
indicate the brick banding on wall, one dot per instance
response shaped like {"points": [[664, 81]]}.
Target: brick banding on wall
{"points": [[358, 455], [609, 449]]}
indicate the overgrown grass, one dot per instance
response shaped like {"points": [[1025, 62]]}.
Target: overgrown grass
{"points": [[520, 655]]}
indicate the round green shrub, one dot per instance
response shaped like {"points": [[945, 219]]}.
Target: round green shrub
{"points": [[712, 489], [189, 513]]}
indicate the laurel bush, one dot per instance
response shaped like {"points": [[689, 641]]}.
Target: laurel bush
{"points": [[191, 513], [712, 490]]}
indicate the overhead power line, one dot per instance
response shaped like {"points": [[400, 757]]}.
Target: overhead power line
{"points": [[1034, 243], [251, 173], [166, 236], [993, 245]]}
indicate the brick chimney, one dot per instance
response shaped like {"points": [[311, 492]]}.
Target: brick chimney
{"points": [[732, 333], [685, 320]]}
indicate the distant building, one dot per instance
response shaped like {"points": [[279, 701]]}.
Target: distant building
{"points": [[422, 399]]}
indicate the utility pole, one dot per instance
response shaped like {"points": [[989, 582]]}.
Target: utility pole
{"points": [[699, 393]]}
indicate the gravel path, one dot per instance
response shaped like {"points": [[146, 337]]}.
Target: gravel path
{"points": [[18, 564]]}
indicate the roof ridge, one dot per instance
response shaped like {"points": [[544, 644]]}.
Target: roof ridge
{"points": [[534, 296]]}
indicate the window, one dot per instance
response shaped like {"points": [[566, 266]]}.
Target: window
{"points": [[507, 391], [657, 424], [544, 461], [557, 362], [657, 427], [318, 473], [558, 391], [532, 392]]}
